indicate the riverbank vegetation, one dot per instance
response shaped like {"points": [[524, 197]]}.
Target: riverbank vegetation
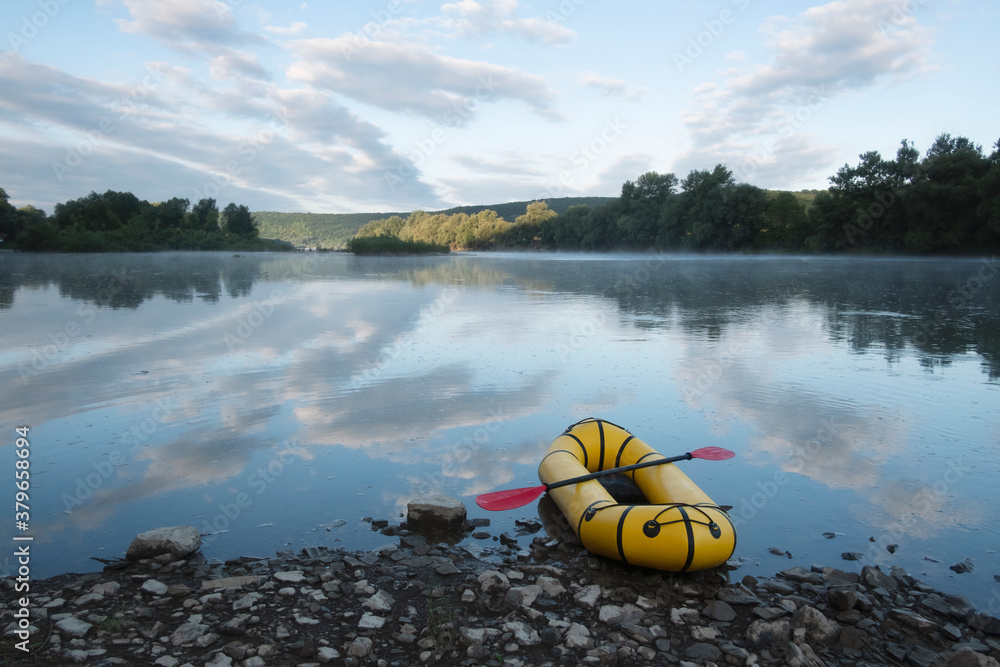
{"points": [[121, 222], [946, 203], [393, 245], [332, 231]]}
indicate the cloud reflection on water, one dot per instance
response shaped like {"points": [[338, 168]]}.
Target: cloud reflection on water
{"points": [[386, 372]]}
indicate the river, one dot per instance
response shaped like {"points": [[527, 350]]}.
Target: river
{"points": [[277, 400]]}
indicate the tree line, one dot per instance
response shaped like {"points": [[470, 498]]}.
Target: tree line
{"points": [[120, 221], [946, 202]]}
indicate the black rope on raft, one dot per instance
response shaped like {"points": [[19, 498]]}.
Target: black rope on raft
{"points": [[595, 419], [652, 527]]}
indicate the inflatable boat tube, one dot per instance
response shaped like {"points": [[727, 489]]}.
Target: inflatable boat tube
{"points": [[680, 530]]}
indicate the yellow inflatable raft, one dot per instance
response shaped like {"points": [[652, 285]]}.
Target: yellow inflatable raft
{"points": [[681, 530]]}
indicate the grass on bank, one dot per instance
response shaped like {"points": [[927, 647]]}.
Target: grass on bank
{"points": [[393, 245]]}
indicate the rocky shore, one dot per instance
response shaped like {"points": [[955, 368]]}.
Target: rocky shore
{"points": [[525, 599]]}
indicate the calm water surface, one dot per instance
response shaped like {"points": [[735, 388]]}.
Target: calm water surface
{"points": [[277, 400]]}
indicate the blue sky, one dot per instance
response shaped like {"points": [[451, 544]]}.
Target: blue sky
{"points": [[397, 105]]}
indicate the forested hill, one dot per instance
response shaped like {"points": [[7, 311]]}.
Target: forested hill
{"points": [[334, 230]]}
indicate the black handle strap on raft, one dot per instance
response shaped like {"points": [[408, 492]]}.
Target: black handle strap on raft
{"points": [[595, 419], [652, 527]]}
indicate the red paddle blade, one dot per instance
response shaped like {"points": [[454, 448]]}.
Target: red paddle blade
{"points": [[509, 499], [712, 454]]}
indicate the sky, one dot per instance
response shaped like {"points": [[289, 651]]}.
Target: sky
{"points": [[397, 105]]}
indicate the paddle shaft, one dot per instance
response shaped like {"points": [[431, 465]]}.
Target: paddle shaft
{"points": [[615, 471]]}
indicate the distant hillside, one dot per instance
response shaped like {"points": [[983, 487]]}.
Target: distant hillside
{"points": [[510, 211], [334, 230], [805, 196], [326, 230]]}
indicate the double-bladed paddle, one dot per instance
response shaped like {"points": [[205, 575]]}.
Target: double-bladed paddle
{"points": [[512, 498]]}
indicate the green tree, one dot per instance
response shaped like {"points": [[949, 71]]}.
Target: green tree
{"points": [[206, 214], [526, 229], [943, 205], [988, 210], [785, 223], [238, 220], [10, 222], [743, 210], [641, 204]]}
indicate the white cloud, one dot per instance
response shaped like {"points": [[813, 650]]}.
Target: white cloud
{"points": [[293, 29], [413, 78], [756, 119], [181, 21], [199, 29], [609, 86], [471, 18]]}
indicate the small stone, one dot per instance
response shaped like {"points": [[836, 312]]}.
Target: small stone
{"points": [[436, 512], [106, 588], [853, 638], [770, 613], [381, 601], [247, 601], [842, 599], [370, 621], [446, 569], [235, 650], [852, 555], [984, 622], [360, 647], [719, 611], [290, 577], [818, 627], [703, 652], [155, 587], [74, 627], [178, 542], [524, 634], [550, 586], [614, 615], [219, 660], [965, 566], [951, 632], [86, 599], [966, 657], [235, 626], [492, 582], [876, 578], [327, 654], [187, 633], [229, 582], [737, 596], [588, 596], [577, 637], [762, 633], [913, 620], [802, 575], [684, 616]]}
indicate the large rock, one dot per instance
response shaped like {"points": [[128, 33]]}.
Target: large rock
{"points": [[176, 541], [436, 513], [818, 627], [762, 633], [966, 657]]}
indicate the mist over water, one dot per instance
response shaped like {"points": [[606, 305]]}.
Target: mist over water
{"points": [[277, 400]]}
